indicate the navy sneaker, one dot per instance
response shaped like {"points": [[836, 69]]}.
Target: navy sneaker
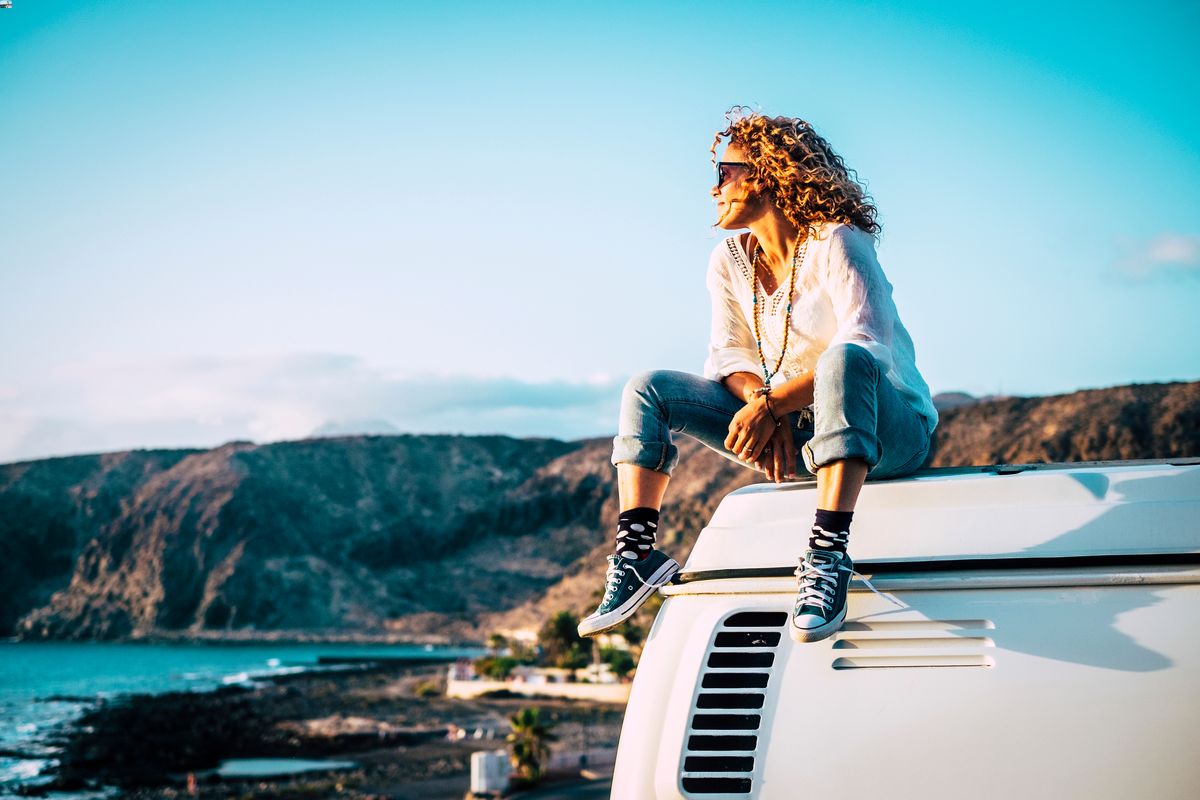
{"points": [[627, 585], [824, 578]]}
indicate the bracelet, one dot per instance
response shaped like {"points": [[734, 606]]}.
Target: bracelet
{"points": [[767, 399], [765, 393]]}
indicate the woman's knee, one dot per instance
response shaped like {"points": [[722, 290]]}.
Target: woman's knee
{"points": [[649, 386], [846, 358], [643, 382]]}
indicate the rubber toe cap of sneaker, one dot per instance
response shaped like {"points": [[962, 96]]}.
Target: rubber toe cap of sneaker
{"points": [[807, 622]]}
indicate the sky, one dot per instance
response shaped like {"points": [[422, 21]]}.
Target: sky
{"points": [[272, 220]]}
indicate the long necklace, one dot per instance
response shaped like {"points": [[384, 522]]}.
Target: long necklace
{"points": [[797, 257]]}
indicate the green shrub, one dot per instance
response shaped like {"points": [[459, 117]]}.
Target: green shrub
{"points": [[496, 667], [619, 661]]}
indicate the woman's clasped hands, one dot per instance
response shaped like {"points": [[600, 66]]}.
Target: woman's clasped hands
{"points": [[756, 439]]}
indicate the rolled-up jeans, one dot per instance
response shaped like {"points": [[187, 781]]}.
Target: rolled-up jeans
{"points": [[856, 413]]}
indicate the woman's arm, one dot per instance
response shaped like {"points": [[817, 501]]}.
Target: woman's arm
{"points": [[731, 345], [742, 385], [786, 398]]}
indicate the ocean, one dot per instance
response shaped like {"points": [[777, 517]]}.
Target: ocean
{"points": [[44, 685]]}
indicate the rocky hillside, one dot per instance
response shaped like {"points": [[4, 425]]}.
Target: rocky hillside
{"points": [[328, 534], [1159, 420], [419, 536], [50, 509]]}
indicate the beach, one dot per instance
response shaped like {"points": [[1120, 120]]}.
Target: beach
{"points": [[400, 744]]}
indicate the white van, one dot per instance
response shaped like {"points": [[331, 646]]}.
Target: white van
{"points": [[1046, 645]]}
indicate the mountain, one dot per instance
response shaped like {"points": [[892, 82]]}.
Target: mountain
{"points": [[436, 537], [317, 535], [1156, 420], [354, 427], [944, 401]]}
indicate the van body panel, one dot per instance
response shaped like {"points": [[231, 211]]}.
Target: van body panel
{"points": [[1135, 509], [1078, 679], [1034, 692], [966, 579], [657, 715]]}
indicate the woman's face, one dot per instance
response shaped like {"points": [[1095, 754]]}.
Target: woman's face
{"points": [[737, 202]]}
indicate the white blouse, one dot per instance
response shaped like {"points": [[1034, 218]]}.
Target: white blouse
{"points": [[841, 296]]}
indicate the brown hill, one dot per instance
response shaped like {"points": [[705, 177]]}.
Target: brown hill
{"points": [[49, 509], [1156, 420], [317, 535], [411, 536]]}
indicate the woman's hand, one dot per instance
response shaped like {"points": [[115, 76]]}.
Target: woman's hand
{"points": [[778, 458], [750, 430]]}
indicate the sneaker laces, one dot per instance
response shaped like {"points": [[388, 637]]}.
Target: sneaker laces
{"points": [[617, 565], [614, 575], [816, 585]]}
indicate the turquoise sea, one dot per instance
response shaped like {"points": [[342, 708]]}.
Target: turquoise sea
{"points": [[44, 685]]}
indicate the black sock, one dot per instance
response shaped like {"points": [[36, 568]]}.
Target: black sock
{"points": [[635, 533], [831, 530]]}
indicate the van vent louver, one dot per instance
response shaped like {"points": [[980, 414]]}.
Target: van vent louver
{"points": [[722, 740], [885, 644]]}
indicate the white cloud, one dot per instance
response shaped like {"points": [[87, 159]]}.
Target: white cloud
{"points": [[1163, 256], [111, 404]]}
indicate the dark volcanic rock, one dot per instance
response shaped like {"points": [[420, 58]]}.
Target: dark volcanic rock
{"points": [[138, 740], [50, 509], [148, 744]]}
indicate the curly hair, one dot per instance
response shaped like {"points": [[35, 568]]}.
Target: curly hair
{"points": [[799, 171]]}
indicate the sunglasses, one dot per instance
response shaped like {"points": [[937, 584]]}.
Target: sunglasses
{"points": [[723, 170]]}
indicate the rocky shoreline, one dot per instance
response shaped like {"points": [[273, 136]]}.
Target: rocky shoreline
{"points": [[405, 741]]}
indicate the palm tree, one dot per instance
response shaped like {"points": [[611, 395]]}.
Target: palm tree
{"points": [[530, 740]]}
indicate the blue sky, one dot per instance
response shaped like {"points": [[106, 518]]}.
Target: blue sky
{"points": [[260, 220]]}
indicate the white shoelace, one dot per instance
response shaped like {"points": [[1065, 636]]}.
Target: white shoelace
{"points": [[816, 585], [869, 585], [616, 570]]}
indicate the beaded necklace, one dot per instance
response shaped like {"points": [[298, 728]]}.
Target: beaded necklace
{"points": [[797, 256]]}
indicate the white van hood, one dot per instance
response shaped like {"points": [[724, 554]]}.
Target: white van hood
{"points": [[1029, 512]]}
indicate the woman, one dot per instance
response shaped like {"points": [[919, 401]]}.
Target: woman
{"points": [[807, 355]]}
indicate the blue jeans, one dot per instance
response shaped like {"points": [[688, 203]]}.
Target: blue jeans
{"points": [[856, 413]]}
